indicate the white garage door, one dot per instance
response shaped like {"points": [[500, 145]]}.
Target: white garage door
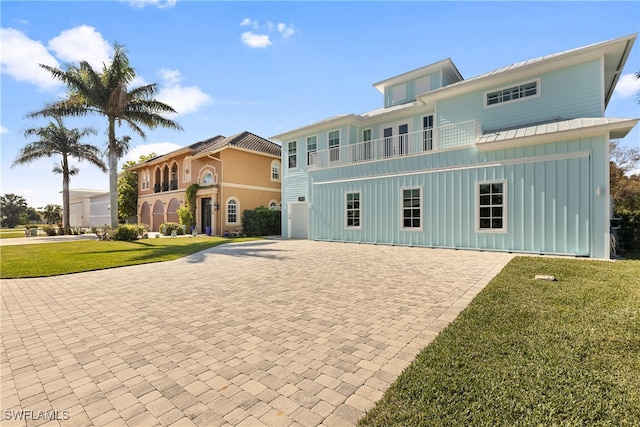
{"points": [[299, 220]]}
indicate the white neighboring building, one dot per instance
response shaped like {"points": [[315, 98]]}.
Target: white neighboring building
{"points": [[88, 208]]}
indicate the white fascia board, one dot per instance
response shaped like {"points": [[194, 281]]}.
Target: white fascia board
{"points": [[346, 119], [523, 70]]}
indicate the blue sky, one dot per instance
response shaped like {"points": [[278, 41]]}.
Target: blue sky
{"points": [[269, 67]]}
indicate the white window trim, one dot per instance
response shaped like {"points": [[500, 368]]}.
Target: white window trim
{"points": [[362, 131], [538, 92], [297, 155], [306, 147], [402, 227], [346, 216], [226, 210], [277, 163], [505, 206]]}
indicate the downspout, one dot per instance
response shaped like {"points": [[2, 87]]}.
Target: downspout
{"points": [[221, 187]]}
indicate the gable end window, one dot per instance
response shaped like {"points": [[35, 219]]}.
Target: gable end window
{"points": [[352, 210], [512, 93], [491, 210], [292, 152]]}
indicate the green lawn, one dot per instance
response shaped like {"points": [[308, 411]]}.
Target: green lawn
{"points": [[531, 352], [51, 259], [10, 233]]}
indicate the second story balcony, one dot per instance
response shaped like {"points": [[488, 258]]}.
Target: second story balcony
{"points": [[451, 136]]}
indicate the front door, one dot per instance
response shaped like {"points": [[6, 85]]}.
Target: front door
{"points": [[298, 220], [205, 220]]}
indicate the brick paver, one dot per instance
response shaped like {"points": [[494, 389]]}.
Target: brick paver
{"points": [[272, 333]]}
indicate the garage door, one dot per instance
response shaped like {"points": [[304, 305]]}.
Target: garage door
{"points": [[299, 220]]}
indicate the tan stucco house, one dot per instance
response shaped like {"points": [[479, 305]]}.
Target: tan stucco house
{"points": [[234, 174]]}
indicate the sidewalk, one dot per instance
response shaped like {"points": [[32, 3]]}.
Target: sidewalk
{"points": [[46, 239]]}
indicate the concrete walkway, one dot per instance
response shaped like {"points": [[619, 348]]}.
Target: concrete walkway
{"points": [[272, 333]]}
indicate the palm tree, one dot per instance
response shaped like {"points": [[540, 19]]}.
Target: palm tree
{"points": [[56, 139], [106, 93]]}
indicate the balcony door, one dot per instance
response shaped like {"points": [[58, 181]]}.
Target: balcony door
{"points": [[395, 141]]}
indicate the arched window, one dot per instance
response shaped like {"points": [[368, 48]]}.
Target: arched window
{"points": [[173, 184], [208, 178], [157, 181], [275, 170], [233, 207]]}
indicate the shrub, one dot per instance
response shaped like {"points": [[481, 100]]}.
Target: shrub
{"points": [[168, 227], [628, 235], [129, 232], [186, 217], [50, 230], [261, 222]]}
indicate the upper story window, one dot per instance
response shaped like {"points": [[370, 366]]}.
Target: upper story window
{"points": [[208, 179], [427, 133], [275, 170], [399, 93], [312, 146], [334, 145], [423, 85], [146, 180], [292, 154], [512, 93]]}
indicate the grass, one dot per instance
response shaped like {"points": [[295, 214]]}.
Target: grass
{"points": [[531, 352], [11, 233], [52, 259]]}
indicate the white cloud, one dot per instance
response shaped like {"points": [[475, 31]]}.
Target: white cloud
{"points": [[285, 30], [159, 148], [247, 22], [627, 86], [82, 43], [183, 99], [170, 76], [3, 129], [255, 40], [21, 56], [161, 4]]}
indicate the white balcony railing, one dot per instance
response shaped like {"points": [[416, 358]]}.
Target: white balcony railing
{"points": [[438, 138]]}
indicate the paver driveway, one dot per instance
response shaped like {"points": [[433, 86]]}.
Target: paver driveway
{"points": [[260, 333]]}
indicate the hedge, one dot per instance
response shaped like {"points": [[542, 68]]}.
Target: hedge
{"points": [[261, 222], [629, 232]]}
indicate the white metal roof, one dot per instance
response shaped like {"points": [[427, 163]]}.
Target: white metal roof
{"points": [[617, 128]]}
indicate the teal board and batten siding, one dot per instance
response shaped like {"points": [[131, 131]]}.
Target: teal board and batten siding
{"points": [[567, 93], [552, 206]]}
